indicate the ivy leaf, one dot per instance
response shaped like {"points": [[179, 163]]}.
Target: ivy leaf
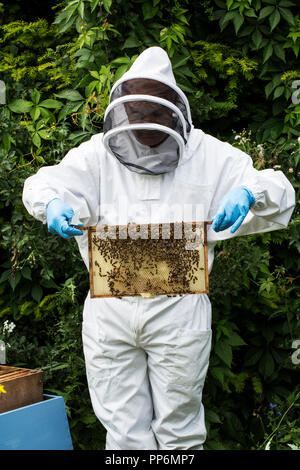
{"points": [[94, 3], [5, 275], [280, 52], [81, 9], [35, 113], [49, 103], [287, 15], [107, 5], [224, 351], [14, 281], [131, 42], [257, 38], [268, 51], [286, 3], [44, 134], [266, 11], [26, 273], [253, 356], [20, 106], [266, 365], [71, 95], [35, 96], [149, 11], [37, 293], [226, 18], [212, 417], [235, 340], [251, 13], [238, 20], [274, 19], [36, 140]]}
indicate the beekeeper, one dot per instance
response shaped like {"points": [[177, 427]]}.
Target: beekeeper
{"points": [[147, 359]]}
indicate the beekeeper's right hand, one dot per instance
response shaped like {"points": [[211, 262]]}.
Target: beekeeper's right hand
{"points": [[59, 216]]}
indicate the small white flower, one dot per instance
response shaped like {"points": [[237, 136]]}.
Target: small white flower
{"points": [[276, 167], [8, 326], [299, 139]]}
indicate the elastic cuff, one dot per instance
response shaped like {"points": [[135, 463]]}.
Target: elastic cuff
{"points": [[258, 195], [250, 194]]}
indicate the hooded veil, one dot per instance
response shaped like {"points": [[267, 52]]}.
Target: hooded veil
{"points": [[147, 122]]}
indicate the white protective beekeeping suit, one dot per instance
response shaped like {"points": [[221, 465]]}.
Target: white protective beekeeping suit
{"points": [[146, 359]]}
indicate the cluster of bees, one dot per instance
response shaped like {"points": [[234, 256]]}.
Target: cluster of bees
{"points": [[149, 263]]}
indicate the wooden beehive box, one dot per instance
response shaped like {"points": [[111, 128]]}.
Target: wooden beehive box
{"points": [[19, 387]]}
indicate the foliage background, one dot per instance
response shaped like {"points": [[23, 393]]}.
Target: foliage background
{"points": [[238, 63]]}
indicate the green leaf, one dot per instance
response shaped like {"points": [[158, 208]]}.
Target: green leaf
{"points": [[95, 3], [5, 275], [274, 19], [35, 113], [253, 356], [235, 340], [70, 11], [81, 9], [26, 273], [212, 417], [95, 74], [278, 91], [286, 3], [280, 52], [266, 365], [131, 42], [268, 51], [266, 11], [71, 95], [14, 281], [224, 351], [257, 38], [91, 86], [238, 20], [35, 96], [37, 293], [49, 103], [36, 140], [148, 11], [20, 106], [250, 13], [71, 107], [120, 71], [226, 18], [107, 5], [44, 134], [257, 385], [287, 15]]}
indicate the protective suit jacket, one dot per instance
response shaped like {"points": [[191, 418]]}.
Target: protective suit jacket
{"points": [[146, 359]]}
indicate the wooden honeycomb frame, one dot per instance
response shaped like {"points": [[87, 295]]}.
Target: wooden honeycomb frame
{"points": [[122, 265]]}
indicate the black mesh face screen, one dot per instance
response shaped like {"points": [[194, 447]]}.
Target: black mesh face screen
{"points": [[145, 86], [144, 112]]}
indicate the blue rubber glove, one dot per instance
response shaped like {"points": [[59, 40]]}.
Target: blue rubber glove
{"points": [[233, 208], [59, 216]]}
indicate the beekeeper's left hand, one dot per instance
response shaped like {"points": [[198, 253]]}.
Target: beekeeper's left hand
{"points": [[233, 208]]}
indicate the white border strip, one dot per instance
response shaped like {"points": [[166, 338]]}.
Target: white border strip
{"points": [[154, 77]]}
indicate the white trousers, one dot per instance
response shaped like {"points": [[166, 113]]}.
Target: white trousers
{"points": [[146, 362]]}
